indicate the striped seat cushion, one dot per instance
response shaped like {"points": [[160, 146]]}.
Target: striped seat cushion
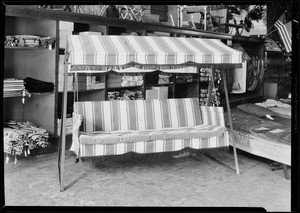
{"points": [[128, 115], [200, 131], [155, 146]]}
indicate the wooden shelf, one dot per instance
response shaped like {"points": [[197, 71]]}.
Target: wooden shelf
{"points": [[120, 88], [14, 96], [28, 48], [24, 12], [89, 90], [192, 82], [159, 85], [42, 93]]}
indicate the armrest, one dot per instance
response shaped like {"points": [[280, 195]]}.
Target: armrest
{"points": [[77, 119], [212, 115]]}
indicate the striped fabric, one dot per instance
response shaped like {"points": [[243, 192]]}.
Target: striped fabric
{"points": [[117, 127], [114, 137], [212, 115], [138, 114], [90, 150], [285, 32], [146, 50]]}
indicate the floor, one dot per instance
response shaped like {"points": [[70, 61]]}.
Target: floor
{"points": [[150, 180]]}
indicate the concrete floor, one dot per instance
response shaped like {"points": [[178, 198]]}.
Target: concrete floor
{"points": [[196, 181]]}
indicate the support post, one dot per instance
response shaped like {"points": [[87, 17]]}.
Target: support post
{"points": [[210, 87], [62, 138], [230, 120]]}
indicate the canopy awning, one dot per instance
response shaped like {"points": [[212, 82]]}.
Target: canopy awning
{"points": [[105, 53]]}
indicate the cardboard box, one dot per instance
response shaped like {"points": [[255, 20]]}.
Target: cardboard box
{"points": [[63, 37], [163, 79], [157, 93], [65, 25]]}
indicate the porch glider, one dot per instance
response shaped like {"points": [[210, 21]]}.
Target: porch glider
{"points": [[97, 53], [138, 54]]}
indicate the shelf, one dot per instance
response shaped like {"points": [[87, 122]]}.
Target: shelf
{"points": [[159, 85], [19, 11], [88, 90], [14, 96], [120, 88], [42, 93], [27, 95], [29, 48], [192, 82]]}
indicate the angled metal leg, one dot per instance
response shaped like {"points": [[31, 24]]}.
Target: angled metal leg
{"points": [[230, 121], [62, 138], [287, 176]]}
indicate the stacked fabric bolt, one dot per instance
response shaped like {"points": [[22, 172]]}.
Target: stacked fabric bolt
{"points": [[14, 87], [139, 95], [29, 41], [21, 137], [128, 80], [204, 97], [127, 95], [35, 85], [114, 95], [47, 42], [205, 78], [124, 95], [184, 79]]}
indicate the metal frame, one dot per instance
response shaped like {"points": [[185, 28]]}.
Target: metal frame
{"points": [[62, 139]]}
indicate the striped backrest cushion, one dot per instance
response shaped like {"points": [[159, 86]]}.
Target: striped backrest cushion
{"points": [[138, 114], [212, 115]]}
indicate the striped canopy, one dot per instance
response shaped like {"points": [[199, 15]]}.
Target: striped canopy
{"points": [[104, 53]]}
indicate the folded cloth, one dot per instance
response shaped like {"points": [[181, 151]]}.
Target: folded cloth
{"points": [[22, 136], [282, 111], [272, 103], [34, 85]]}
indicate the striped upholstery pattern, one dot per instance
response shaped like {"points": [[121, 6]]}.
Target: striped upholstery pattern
{"points": [[146, 50], [89, 150], [147, 126], [138, 114], [213, 115]]}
